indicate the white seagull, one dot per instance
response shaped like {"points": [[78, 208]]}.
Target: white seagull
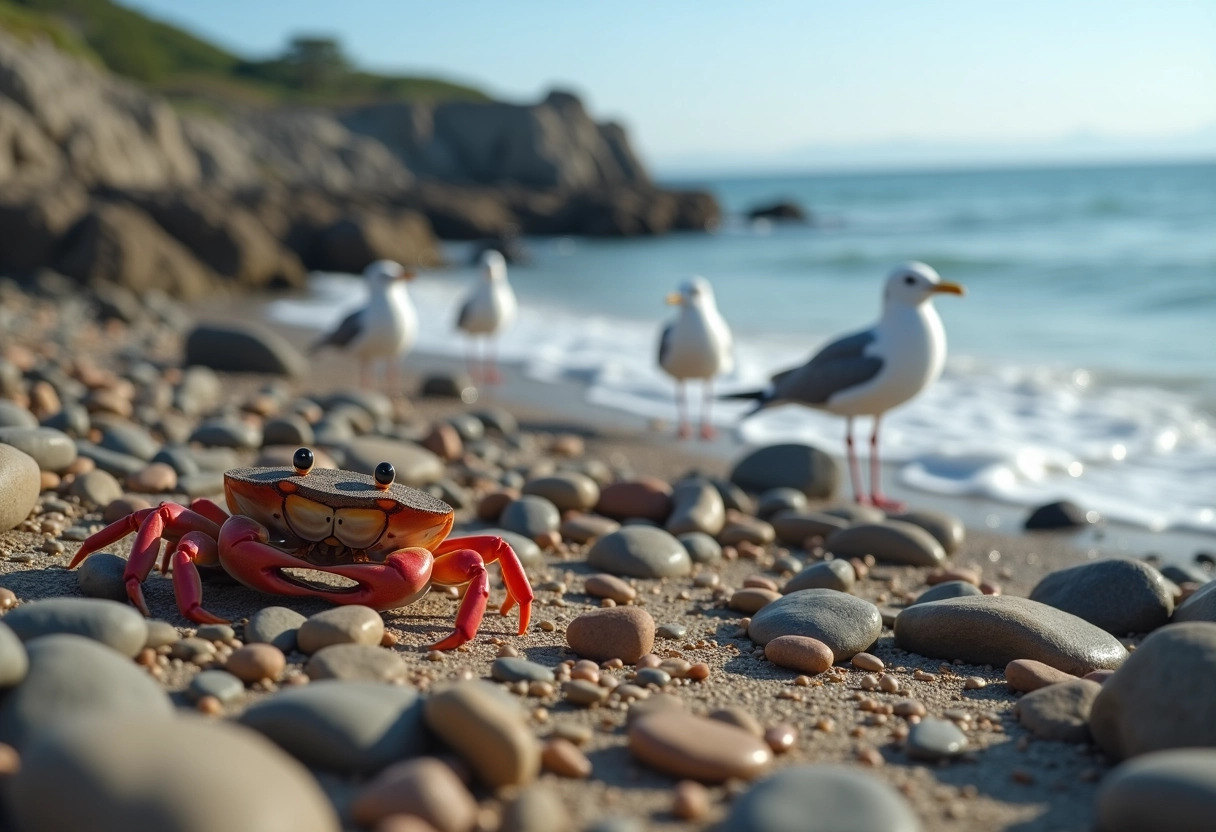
{"points": [[487, 310], [696, 345], [384, 328], [869, 372]]}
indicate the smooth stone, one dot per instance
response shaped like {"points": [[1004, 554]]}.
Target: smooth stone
{"points": [[156, 478], [216, 632], [745, 529], [855, 514], [120, 776], [1027, 675], [1185, 573], [1119, 595], [1059, 712], [110, 462], [671, 631], [13, 415], [487, 730], [701, 547], [740, 718], [525, 548], [1062, 514], [202, 484], [530, 516], [935, 739], [1201, 606], [696, 507], [255, 662], [376, 405], [14, 662], [52, 449], [515, 669], [415, 465], [652, 676], [609, 586], [829, 574], [583, 528], [846, 624], [448, 386], [355, 663], [424, 788], [347, 727], [100, 575], [625, 633], [274, 625], [20, 484], [1162, 695], [227, 432], [161, 634], [472, 429], [584, 693], [497, 421], [118, 626], [948, 589], [801, 653], [568, 490], [646, 498], [96, 488], [779, 499], [241, 348], [996, 629], [706, 750], [347, 624], [179, 459], [946, 528], [292, 429], [535, 809], [72, 419], [890, 542], [128, 438], [752, 599], [794, 527], [1166, 791], [821, 798], [221, 684], [73, 681], [801, 467], [640, 552]]}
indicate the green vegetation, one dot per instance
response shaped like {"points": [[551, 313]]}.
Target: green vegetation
{"points": [[313, 70]]}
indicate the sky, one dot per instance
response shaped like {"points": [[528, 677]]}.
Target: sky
{"points": [[787, 83]]}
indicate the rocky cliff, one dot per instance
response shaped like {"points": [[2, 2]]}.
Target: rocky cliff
{"points": [[107, 183]]}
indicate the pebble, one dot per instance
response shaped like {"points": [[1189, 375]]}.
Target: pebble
{"points": [[800, 653], [1026, 675], [535, 809], [795, 527], [889, 542], [781, 737], [583, 528], [274, 625], [821, 798], [868, 662], [1164, 790], [829, 574], [100, 575], [511, 669], [744, 529], [646, 497], [221, 684], [584, 693], [672, 631], [1059, 712], [444, 441], [640, 552], [701, 547], [218, 633], [996, 629], [696, 507], [255, 662], [609, 586], [792, 465], [1062, 514], [160, 634], [20, 484], [119, 769], [1162, 695], [844, 623], [13, 415], [752, 599], [531, 517], [52, 449], [227, 432], [777, 500], [1201, 606], [349, 624], [652, 676], [568, 490], [415, 465], [738, 717], [156, 478], [355, 663], [625, 633], [706, 750], [118, 626], [125, 437], [478, 722], [345, 727], [1120, 595], [935, 739], [948, 589], [291, 431], [946, 528], [96, 488], [14, 663], [563, 758], [425, 788], [72, 679]]}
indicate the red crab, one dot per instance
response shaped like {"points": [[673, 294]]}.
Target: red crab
{"points": [[389, 539]]}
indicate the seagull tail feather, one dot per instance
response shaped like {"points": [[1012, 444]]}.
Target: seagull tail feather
{"points": [[762, 398]]}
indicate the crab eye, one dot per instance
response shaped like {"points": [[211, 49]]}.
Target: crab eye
{"points": [[385, 474], [302, 461], [359, 528], [308, 518]]}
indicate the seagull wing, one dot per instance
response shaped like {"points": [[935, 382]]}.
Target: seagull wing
{"points": [[346, 332], [665, 343], [838, 366]]}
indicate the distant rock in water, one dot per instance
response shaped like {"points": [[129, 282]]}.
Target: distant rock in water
{"points": [[1063, 514], [784, 210]]}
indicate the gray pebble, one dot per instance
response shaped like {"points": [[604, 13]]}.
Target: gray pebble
{"points": [[653, 676], [179, 458], [216, 632], [794, 527], [1059, 712], [53, 450], [415, 465], [1201, 606], [701, 547], [110, 462], [946, 528], [20, 483], [14, 663], [161, 633], [801, 467], [221, 684], [1119, 595], [640, 552], [845, 623], [274, 625], [568, 490], [515, 669], [779, 499], [118, 626], [287, 430], [535, 809], [129, 438], [696, 507], [349, 624], [13, 415], [530, 516], [100, 575], [935, 739], [1166, 791], [96, 488], [891, 542], [673, 631], [948, 589], [227, 432], [830, 574], [355, 663]]}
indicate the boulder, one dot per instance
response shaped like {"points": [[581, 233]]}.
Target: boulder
{"points": [[366, 235], [237, 348], [784, 210], [34, 216]]}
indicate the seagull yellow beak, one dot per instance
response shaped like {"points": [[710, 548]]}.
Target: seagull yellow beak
{"points": [[948, 288], [408, 274], [675, 299]]}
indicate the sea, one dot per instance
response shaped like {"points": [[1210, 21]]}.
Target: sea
{"points": [[1082, 360]]}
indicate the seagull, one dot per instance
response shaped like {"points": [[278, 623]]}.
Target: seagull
{"points": [[697, 344], [869, 372], [487, 310], [384, 328]]}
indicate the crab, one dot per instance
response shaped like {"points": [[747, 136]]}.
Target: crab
{"points": [[389, 539]]}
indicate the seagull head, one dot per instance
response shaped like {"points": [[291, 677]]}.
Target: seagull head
{"points": [[694, 293], [914, 283], [493, 265], [384, 273]]}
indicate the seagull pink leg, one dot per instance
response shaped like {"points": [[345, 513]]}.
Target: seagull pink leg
{"points": [[684, 429], [854, 467], [492, 374], [876, 495], [707, 428]]}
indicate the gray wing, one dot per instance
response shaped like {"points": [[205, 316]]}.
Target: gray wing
{"points": [[346, 332], [665, 343], [465, 311], [838, 366]]}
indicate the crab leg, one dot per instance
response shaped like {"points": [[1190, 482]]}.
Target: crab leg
{"points": [[463, 566], [495, 549], [194, 548], [209, 509]]}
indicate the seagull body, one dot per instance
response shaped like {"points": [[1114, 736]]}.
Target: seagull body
{"points": [[869, 372], [384, 328], [696, 345], [489, 308]]}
